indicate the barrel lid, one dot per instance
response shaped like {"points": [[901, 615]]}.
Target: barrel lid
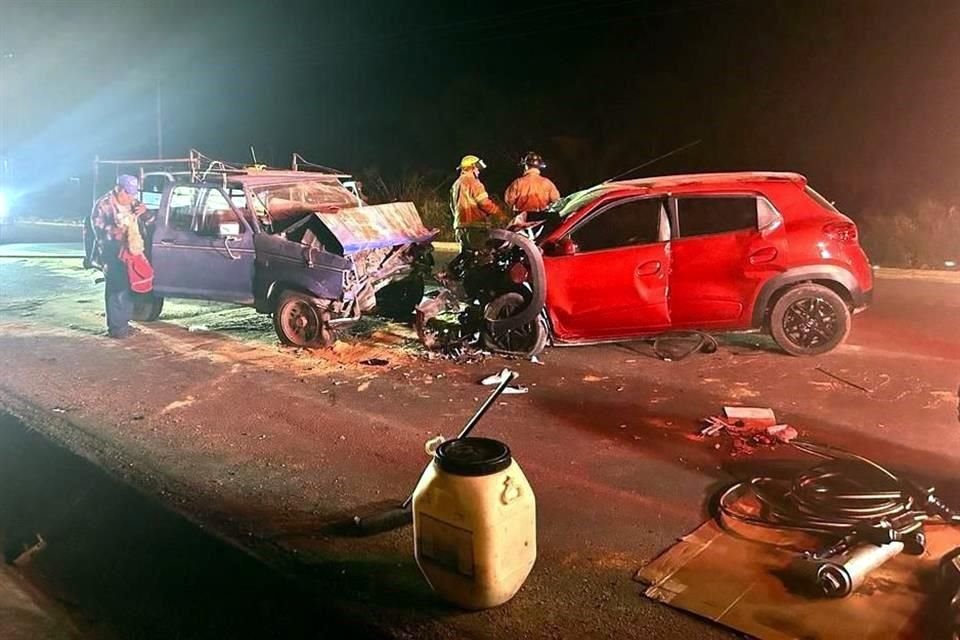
{"points": [[473, 456]]}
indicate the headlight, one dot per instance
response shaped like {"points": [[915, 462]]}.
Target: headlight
{"points": [[4, 205]]}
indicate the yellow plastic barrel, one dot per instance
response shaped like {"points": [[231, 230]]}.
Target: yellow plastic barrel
{"points": [[474, 523]]}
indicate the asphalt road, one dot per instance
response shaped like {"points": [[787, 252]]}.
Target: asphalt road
{"points": [[273, 448]]}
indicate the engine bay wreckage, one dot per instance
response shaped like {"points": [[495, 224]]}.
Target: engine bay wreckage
{"points": [[491, 297], [361, 259]]}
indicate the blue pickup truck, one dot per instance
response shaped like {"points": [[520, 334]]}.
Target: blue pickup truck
{"points": [[298, 245]]}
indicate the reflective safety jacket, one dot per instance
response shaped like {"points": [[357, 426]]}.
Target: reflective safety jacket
{"points": [[470, 203], [531, 192]]}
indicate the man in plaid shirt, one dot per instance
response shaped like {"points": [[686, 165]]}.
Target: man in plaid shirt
{"points": [[106, 234]]}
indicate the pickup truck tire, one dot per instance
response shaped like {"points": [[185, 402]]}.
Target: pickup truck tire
{"points": [[147, 307], [809, 319], [398, 300], [300, 323]]}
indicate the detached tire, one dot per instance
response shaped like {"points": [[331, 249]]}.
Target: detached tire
{"points": [[147, 307], [526, 340], [809, 319], [299, 323], [398, 300]]}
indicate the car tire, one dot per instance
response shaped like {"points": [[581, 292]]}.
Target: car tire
{"points": [[398, 300], [809, 319], [147, 307], [300, 323], [525, 341]]}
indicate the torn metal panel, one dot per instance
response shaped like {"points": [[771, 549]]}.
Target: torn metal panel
{"points": [[377, 227]]}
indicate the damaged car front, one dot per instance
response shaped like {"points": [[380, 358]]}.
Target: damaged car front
{"points": [[491, 298]]}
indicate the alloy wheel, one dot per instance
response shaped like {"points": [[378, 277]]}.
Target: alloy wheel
{"points": [[810, 322]]}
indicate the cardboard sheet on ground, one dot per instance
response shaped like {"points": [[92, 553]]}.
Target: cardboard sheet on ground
{"points": [[743, 584]]}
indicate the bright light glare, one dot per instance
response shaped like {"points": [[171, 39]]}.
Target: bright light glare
{"points": [[950, 263]]}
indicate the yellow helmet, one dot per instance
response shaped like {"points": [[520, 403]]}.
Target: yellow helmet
{"points": [[469, 162]]}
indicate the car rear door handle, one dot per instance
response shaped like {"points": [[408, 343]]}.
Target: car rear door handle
{"points": [[650, 268], [764, 255]]}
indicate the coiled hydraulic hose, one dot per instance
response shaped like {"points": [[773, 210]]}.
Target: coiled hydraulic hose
{"points": [[844, 492]]}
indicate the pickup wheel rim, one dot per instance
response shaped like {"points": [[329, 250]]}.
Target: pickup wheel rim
{"points": [[301, 322], [810, 322]]}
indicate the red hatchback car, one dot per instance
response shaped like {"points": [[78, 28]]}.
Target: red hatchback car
{"points": [[712, 252]]}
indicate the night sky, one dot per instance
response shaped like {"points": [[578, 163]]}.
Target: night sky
{"points": [[863, 96]]}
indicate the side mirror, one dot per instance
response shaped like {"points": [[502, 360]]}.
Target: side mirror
{"points": [[562, 247]]}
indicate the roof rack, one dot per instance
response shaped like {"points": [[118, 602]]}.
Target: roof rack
{"points": [[198, 167]]}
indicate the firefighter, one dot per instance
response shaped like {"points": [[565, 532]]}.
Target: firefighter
{"points": [[531, 193], [473, 211]]}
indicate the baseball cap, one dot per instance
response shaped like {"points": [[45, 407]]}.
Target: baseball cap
{"points": [[128, 183]]}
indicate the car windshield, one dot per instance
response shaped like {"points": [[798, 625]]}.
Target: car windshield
{"points": [[298, 198], [573, 202]]}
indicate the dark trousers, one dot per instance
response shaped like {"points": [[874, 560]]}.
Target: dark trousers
{"points": [[118, 298]]}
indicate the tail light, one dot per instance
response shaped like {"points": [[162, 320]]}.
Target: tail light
{"points": [[843, 231]]}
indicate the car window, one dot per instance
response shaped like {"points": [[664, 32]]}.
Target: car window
{"points": [[238, 198], [624, 224], [183, 200], [307, 196], [707, 215], [152, 190], [216, 217]]}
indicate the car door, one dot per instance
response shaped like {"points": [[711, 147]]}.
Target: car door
{"points": [[202, 247], [607, 277], [725, 246]]}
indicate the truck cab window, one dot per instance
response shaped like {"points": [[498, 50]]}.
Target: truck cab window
{"points": [[183, 201]]}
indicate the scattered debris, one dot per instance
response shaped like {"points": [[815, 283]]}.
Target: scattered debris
{"points": [[592, 378], [843, 380], [677, 345], [513, 390], [495, 379], [749, 428], [536, 360], [364, 386], [498, 378], [750, 413], [783, 432], [197, 327], [375, 362], [59, 410], [714, 427]]}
